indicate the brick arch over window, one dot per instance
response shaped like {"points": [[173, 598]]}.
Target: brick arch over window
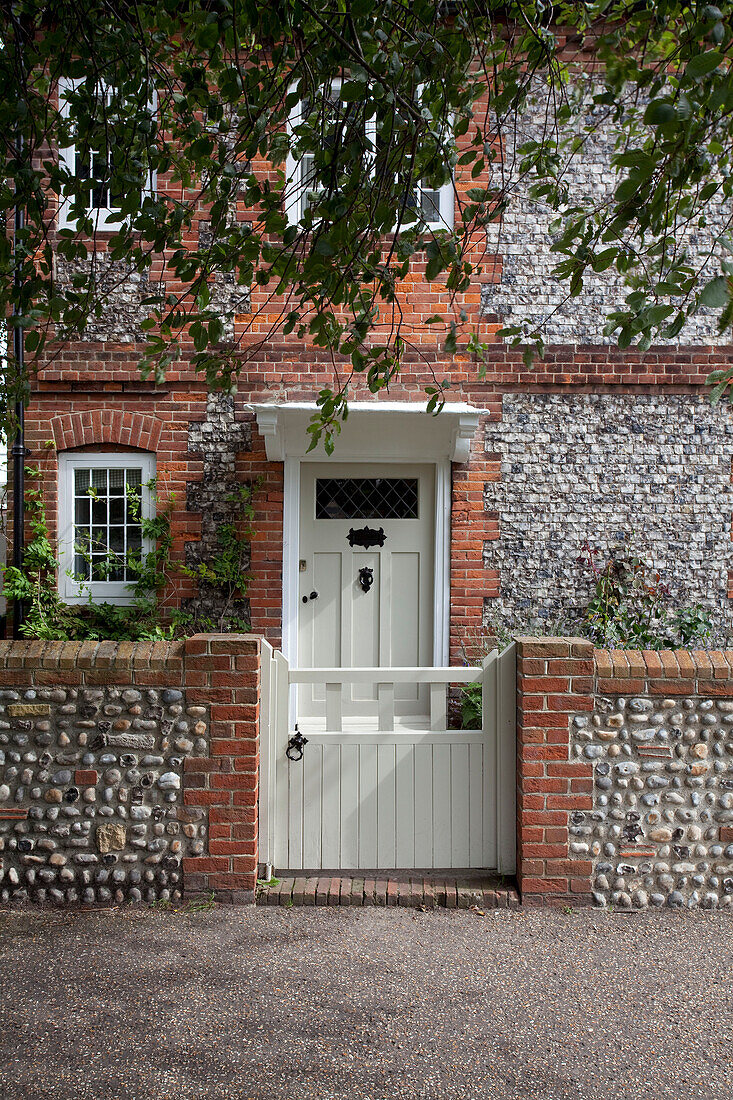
{"points": [[128, 429]]}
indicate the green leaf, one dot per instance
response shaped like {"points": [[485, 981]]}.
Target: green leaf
{"points": [[659, 113], [715, 294], [699, 67], [353, 91]]}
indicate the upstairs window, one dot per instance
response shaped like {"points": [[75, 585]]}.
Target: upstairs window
{"points": [[102, 196], [339, 129], [373, 147], [104, 499], [428, 205]]}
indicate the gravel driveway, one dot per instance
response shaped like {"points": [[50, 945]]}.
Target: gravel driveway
{"points": [[369, 1003]]}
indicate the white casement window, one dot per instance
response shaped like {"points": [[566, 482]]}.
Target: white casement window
{"points": [[102, 500], [300, 171], [101, 205], [434, 205]]}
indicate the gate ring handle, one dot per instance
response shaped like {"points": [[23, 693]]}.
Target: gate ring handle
{"points": [[296, 744]]}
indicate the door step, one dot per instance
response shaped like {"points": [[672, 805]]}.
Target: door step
{"points": [[410, 890]]}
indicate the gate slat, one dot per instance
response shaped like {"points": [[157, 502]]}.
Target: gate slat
{"points": [[295, 814], [438, 719], [386, 806], [312, 802], [459, 779], [349, 806], [368, 805], [424, 806], [334, 707], [441, 823], [385, 696], [405, 756], [475, 806], [331, 823]]}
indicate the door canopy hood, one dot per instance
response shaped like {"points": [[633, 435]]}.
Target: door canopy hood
{"points": [[391, 430]]}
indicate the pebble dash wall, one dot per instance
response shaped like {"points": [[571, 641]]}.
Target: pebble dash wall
{"points": [[128, 771], [624, 776]]}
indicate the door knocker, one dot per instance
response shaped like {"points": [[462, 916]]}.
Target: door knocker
{"points": [[297, 742], [366, 578]]}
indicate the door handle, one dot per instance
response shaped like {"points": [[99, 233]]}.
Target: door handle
{"points": [[312, 596]]}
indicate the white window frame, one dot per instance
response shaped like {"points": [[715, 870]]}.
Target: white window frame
{"points": [[73, 591], [103, 217], [295, 193], [446, 197], [295, 190]]}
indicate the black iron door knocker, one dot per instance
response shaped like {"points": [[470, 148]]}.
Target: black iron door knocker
{"points": [[366, 578], [296, 744]]}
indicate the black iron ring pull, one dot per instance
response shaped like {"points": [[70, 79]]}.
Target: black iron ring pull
{"points": [[366, 578], [296, 744]]}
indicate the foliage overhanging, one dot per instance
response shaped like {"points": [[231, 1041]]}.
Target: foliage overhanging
{"points": [[223, 77]]}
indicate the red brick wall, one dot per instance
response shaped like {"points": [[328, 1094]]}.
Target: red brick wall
{"points": [[554, 682], [224, 670]]}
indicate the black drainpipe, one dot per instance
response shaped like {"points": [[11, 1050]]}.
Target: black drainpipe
{"points": [[18, 452]]}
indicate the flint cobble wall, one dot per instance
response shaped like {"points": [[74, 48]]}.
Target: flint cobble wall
{"points": [[660, 742], [624, 776], [650, 471], [528, 291], [128, 771]]}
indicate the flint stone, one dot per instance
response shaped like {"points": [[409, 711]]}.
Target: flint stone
{"points": [[126, 740]]}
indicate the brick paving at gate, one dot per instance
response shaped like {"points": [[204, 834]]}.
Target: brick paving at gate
{"points": [[484, 892]]}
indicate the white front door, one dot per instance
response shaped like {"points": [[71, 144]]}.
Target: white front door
{"points": [[366, 591]]}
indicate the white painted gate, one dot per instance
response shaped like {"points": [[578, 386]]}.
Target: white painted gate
{"points": [[383, 790]]}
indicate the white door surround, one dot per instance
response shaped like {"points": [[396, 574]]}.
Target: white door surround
{"points": [[376, 432]]}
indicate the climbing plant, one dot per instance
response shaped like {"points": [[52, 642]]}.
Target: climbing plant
{"points": [[47, 616]]}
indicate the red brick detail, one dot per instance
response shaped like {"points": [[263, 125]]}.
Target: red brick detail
{"points": [[471, 528], [226, 668], [85, 778], [101, 426], [554, 681], [663, 672]]}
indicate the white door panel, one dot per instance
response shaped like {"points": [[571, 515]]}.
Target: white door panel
{"points": [[392, 622]]}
